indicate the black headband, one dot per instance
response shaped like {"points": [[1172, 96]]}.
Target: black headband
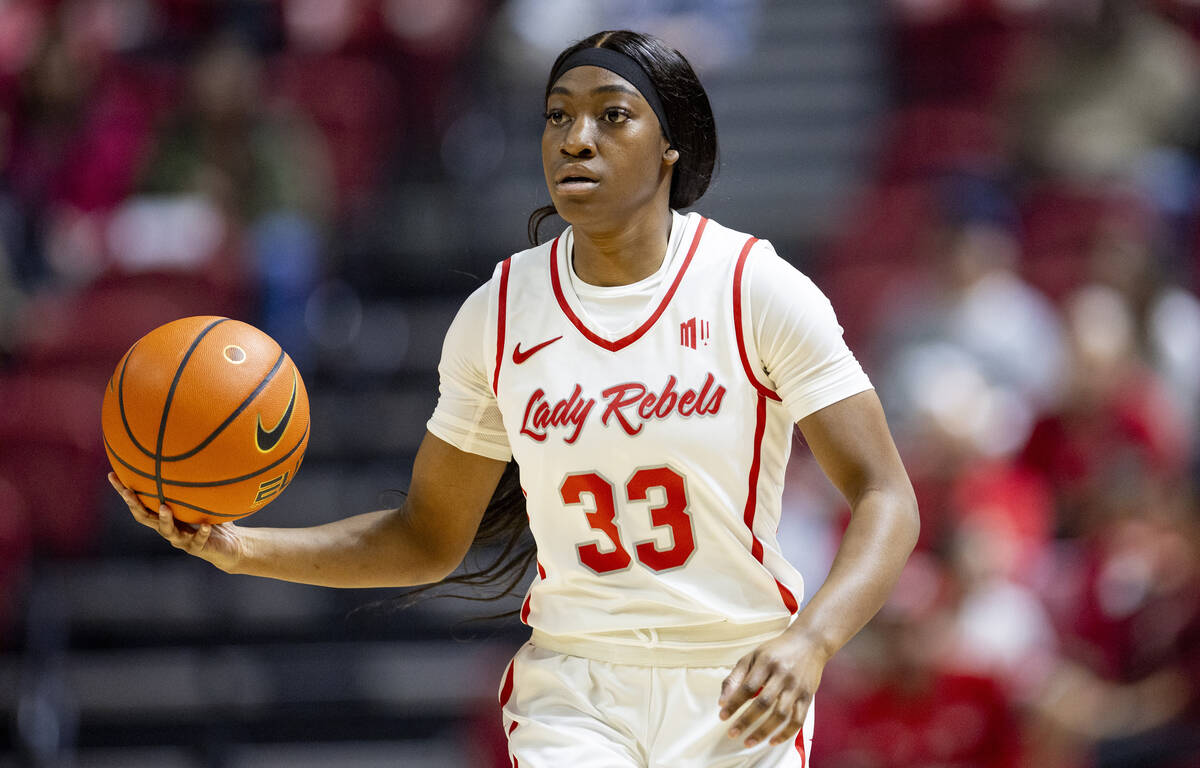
{"points": [[626, 67]]}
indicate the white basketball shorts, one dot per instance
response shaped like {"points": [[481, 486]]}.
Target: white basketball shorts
{"points": [[564, 711]]}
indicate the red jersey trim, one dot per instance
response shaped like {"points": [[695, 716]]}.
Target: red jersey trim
{"points": [[507, 688], [737, 322], [502, 316], [619, 344], [525, 606], [756, 547], [506, 691]]}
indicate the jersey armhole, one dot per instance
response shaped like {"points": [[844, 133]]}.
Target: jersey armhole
{"points": [[744, 328]]}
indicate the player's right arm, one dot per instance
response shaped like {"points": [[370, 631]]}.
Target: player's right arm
{"points": [[455, 473], [420, 542]]}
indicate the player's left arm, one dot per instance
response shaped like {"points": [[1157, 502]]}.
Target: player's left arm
{"points": [[851, 441]]}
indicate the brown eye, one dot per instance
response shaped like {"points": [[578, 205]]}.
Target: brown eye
{"points": [[556, 117], [615, 115]]}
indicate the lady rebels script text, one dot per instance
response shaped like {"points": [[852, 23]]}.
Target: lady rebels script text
{"points": [[631, 405]]}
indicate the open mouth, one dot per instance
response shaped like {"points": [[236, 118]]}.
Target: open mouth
{"points": [[575, 177], [576, 183]]}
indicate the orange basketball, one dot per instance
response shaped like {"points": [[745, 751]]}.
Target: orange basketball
{"points": [[208, 415]]}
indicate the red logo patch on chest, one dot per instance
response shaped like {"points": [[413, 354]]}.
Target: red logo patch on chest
{"points": [[693, 330]]}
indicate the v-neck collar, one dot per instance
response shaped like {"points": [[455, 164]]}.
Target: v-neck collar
{"points": [[569, 302]]}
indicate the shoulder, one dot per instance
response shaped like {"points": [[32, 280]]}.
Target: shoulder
{"points": [[536, 257], [748, 252], [780, 297], [474, 309], [714, 237], [767, 271], [751, 253]]}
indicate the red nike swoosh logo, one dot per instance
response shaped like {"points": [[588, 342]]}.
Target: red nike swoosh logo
{"points": [[520, 357]]}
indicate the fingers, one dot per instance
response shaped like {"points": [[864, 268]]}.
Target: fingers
{"points": [[200, 538], [787, 718], [190, 539], [767, 709], [136, 508], [166, 524], [733, 693], [163, 521], [778, 703], [799, 713], [754, 689]]}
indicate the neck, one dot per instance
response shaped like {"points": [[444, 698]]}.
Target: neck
{"points": [[633, 252]]}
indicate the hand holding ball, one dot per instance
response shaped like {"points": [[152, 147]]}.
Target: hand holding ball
{"points": [[207, 415]]}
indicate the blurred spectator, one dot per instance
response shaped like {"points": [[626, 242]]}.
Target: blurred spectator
{"points": [[1110, 81], [20, 263], [78, 131], [16, 547], [11, 301], [1127, 255], [246, 174], [971, 355], [1126, 598], [972, 298], [892, 701], [248, 156], [1115, 412], [1050, 458], [955, 53], [13, 230]]}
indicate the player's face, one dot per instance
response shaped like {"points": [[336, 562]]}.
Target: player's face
{"points": [[603, 151]]}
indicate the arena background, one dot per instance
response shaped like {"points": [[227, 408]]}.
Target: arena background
{"points": [[999, 197]]}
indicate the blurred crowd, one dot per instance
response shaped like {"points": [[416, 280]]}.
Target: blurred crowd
{"points": [[165, 158], [1021, 279], [1019, 276], [224, 141]]}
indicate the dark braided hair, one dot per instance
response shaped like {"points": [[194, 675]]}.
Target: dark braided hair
{"points": [[504, 530], [689, 115]]}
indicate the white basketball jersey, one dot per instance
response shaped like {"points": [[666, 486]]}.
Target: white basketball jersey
{"points": [[652, 462]]}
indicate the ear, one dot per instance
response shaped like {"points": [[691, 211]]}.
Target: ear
{"points": [[671, 156]]}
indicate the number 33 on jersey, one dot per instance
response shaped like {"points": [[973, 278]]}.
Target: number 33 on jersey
{"points": [[653, 458]]}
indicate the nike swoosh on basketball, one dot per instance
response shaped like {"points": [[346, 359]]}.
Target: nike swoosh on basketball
{"points": [[520, 357], [266, 439]]}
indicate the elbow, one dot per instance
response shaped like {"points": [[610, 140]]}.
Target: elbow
{"points": [[421, 574], [441, 570], [427, 574], [892, 504], [894, 507], [439, 563], [405, 556]]}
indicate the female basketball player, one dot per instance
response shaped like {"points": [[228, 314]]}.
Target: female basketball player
{"points": [[644, 369]]}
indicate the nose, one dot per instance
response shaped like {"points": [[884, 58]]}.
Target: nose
{"points": [[580, 138]]}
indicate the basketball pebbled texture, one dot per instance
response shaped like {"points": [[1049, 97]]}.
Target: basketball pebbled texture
{"points": [[208, 415]]}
